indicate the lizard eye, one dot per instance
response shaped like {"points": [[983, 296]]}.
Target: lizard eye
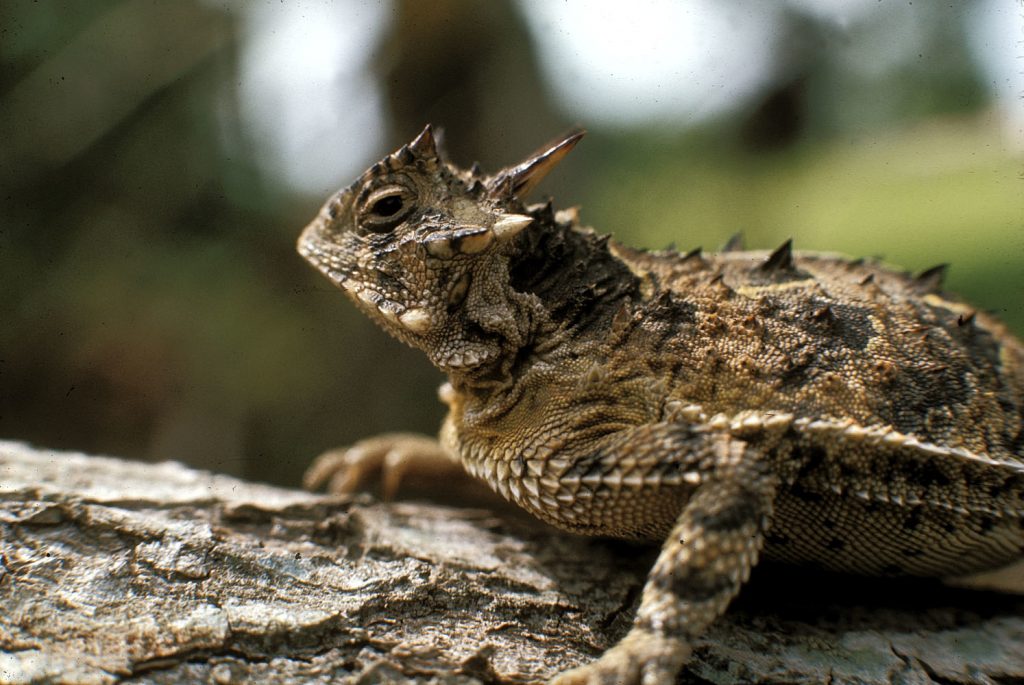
{"points": [[387, 206], [385, 209]]}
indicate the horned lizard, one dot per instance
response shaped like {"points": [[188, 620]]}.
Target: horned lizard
{"points": [[802, 406]]}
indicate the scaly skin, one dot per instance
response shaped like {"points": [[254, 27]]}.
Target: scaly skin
{"points": [[831, 412]]}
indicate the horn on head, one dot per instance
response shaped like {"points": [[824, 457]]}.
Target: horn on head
{"points": [[520, 179]]}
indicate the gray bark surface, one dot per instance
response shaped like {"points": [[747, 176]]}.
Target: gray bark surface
{"points": [[116, 571]]}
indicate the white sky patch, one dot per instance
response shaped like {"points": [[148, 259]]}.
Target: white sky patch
{"points": [[996, 38], [895, 37], [310, 101], [653, 60], [842, 13], [308, 98]]}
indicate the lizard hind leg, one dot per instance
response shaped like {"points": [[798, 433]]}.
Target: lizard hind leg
{"points": [[702, 565]]}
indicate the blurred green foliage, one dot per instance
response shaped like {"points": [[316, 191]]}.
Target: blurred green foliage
{"points": [[152, 305], [938, 192]]}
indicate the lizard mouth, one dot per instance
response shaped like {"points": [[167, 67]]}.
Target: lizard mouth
{"points": [[411, 319]]}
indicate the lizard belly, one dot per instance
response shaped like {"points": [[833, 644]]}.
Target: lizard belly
{"points": [[848, 534]]}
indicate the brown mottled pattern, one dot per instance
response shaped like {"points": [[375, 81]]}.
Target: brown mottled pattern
{"points": [[818, 341]]}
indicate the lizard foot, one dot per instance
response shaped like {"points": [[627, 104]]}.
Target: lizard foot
{"points": [[641, 658], [389, 457]]}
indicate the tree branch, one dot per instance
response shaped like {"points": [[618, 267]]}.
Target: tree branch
{"points": [[114, 571]]}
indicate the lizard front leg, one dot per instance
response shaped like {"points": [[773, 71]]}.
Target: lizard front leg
{"points": [[390, 456], [703, 562]]}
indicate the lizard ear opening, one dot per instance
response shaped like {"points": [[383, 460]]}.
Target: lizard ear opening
{"points": [[517, 181]]}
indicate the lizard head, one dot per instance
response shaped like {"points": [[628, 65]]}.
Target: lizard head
{"points": [[423, 248]]}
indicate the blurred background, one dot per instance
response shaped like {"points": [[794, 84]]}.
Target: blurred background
{"points": [[158, 160]]}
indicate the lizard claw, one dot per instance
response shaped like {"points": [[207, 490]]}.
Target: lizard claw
{"points": [[389, 457], [639, 659]]}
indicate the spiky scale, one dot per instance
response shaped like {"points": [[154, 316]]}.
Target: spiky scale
{"points": [[824, 313], [931, 280], [966, 319], [695, 253], [405, 155], [781, 259], [735, 243]]}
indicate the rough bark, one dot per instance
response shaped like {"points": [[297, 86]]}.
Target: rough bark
{"points": [[114, 571]]}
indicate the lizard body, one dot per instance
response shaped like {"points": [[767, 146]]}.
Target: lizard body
{"points": [[801, 406]]}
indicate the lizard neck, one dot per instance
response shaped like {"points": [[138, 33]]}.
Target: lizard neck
{"points": [[565, 287], [579, 282]]}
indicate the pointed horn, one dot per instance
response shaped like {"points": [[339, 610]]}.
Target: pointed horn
{"points": [[424, 145], [510, 225], [520, 179]]}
